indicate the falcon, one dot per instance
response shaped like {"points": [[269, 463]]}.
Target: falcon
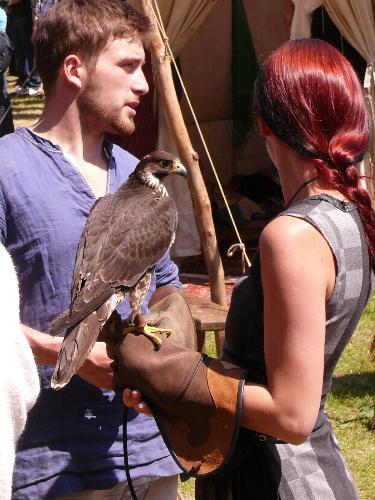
{"points": [[125, 235]]}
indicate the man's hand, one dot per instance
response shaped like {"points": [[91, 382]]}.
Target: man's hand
{"points": [[97, 368], [133, 399]]}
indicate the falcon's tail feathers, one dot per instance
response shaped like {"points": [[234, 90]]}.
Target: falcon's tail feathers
{"points": [[74, 350], [60, 323], [79, 340]]}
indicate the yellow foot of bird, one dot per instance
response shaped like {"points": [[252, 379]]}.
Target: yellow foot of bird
{"points": [[151, 332]]}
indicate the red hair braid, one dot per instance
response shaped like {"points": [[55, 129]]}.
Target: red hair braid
{"points": [[311, 99]]}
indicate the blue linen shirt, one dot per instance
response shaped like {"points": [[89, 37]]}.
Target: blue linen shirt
{"points": [[73, 437]]}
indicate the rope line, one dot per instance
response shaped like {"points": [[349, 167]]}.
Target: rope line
{"points": [[163, 33], [233, 249]]}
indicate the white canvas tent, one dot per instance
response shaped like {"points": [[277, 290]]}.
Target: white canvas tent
{"points": [[199, 32]]}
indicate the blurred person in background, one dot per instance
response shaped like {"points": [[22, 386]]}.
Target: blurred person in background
{"points": [[6, 117], [20, 32]]}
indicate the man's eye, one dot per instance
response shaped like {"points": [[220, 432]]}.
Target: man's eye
{"points": [[129, 65]]}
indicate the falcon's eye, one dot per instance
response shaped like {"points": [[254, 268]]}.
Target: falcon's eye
{"points": [[164, 163]]}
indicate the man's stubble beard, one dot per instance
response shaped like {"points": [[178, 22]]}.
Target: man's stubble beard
{"points": [[94, 113]]}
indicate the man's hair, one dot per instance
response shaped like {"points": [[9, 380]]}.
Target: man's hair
{"points": [[82, 27]]}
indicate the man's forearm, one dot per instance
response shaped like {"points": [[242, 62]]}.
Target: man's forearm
{"points": [[44, 347], [96, 369]]}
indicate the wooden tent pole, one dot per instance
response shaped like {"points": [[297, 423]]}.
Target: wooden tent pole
{"points": [[201, 202]]}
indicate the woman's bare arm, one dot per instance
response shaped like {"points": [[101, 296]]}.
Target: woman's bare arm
{"points": [[298, 274]]}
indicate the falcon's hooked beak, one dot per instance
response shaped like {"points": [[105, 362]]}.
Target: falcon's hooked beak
{"points": [[175, 167]]}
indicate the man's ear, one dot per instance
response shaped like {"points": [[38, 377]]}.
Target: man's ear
{"points": [[73, 71], [264, 129]]}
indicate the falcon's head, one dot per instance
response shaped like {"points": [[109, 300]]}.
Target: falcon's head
{"points": [[154, 167]]}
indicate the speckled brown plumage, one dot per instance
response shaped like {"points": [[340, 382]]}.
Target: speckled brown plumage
{"points": [[125, 235]]}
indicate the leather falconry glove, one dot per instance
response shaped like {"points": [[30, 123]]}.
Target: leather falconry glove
{"points": [[196, 400]]}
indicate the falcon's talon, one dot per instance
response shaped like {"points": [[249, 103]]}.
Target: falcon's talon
{"points": [[151, 332]]}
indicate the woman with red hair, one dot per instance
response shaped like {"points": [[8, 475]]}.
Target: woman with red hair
{"points": [[295, 310]]}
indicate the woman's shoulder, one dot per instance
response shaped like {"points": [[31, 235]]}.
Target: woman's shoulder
{"points": [[286, 229], [291, 242], [334, 219]]}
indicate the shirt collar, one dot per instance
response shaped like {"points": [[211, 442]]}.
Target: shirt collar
{"points": [[47, 145]]}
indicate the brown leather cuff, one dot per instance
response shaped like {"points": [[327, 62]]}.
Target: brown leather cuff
{"points": [[196, 400]]}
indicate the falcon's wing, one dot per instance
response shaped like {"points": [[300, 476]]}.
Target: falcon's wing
{"points": [[141, 230], [91, 240], [138, 237], [89, 245]]}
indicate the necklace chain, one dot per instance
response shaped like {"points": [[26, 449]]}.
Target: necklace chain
{"points": [[299, 190]]}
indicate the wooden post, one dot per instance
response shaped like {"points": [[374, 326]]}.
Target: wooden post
{"points": [[288, 15], [201, 203]]}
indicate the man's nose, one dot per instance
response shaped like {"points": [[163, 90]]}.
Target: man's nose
{"points": [[141, 86]]}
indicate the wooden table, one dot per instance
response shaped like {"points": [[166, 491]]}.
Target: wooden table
{"points": [[208, 316]]}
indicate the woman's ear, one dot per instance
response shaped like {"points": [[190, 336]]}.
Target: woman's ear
{"points": [[264, 129]]}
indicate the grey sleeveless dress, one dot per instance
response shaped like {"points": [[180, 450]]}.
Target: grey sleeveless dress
{"points": [[266, 468]]}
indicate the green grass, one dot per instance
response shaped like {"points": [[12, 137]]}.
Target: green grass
{"points": [[26, 110], [351, 405]]}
